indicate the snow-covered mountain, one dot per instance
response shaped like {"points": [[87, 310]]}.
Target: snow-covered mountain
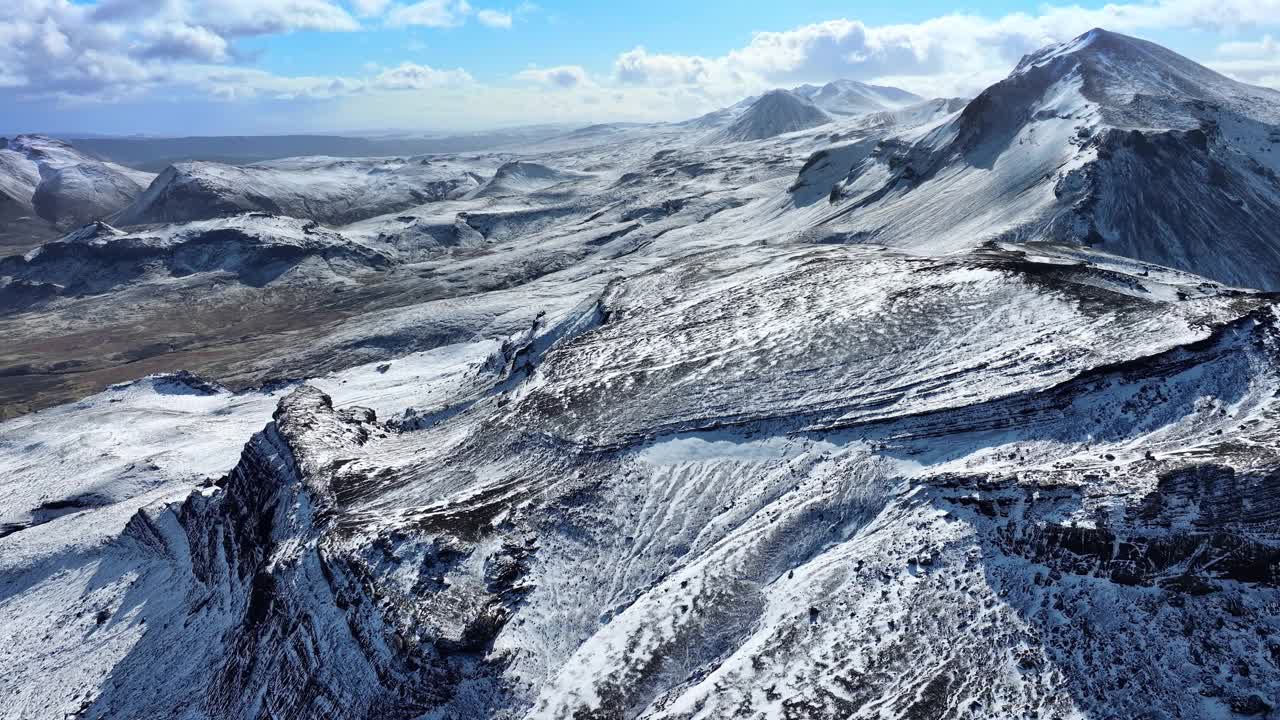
{"points": [[1106, 140], [774, 113], [850, 97], [47, 182], [915, 114], [839, 98], [254, 249], [901, 414], [520, 177], [327, 190], [1019, 471]]}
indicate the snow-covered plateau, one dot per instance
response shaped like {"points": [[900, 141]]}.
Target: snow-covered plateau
{"points": [[836, 403]]}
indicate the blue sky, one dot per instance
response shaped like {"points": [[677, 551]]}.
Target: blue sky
{"points": [[584, 33], [247, 66]]}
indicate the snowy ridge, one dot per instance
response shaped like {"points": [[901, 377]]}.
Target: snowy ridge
{"points": [[328, 190], [839, 98], [850, 97], [524, 556], [523, 177], [1105, 141], [255, 249]]}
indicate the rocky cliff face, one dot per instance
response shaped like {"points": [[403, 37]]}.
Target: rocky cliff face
{"points": [[274, 583]]}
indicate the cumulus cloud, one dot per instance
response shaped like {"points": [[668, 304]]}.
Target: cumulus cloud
{"points": [[259, 17], [563, 77], [409, 76], [1264, 48], [182, 42], [951, 54], [493, 18], [639, 67], [107, 50], [230, 17], [430, 13], [53, 48], [114, 50], [240, 84], [1256, 62]]}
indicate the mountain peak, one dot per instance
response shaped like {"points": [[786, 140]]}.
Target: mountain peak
{"points": [[1102, 33], [851, 97], [1095, 42], [775, 113], [778, 95], [1120, 73]]}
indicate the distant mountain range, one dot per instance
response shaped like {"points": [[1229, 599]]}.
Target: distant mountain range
{"points": [[850, 97], [156, 153], [782, 111]]}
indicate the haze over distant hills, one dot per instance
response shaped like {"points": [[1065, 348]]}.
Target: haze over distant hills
{"points": [[156, 153], [834, 403]]}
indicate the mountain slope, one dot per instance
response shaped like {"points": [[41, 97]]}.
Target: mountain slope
{"points": [[254, 249], [1013, 473], [327, 190], [654, 431], [775, 113], [839, 98], [850, 97], [47, 185], [1106, 140], [524, 177]]}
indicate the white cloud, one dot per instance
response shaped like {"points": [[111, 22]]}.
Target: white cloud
{"points": [[369, 8], [259, 17], [410, 76], [1256, 62], [963, 48], [229, 17], [175, 49], [115, 48], [1265, 48], [240, 84], [53, 40], [951, 54], [182, 42], [493, 18], [563, 77], [430, 13], [110, 50], [639, 67]]}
